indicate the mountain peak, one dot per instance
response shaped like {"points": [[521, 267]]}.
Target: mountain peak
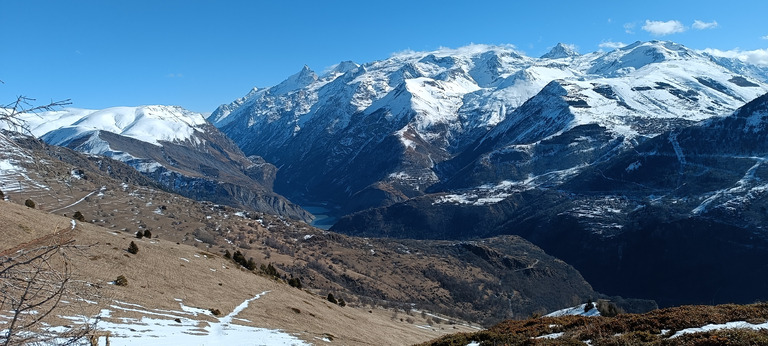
{"points": [[297, 81], [561, 50], [345, 66]]}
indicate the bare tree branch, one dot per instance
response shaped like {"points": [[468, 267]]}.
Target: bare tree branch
{"points": [[10, 114], [33, 284]]}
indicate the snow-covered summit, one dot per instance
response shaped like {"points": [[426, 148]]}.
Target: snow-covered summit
{"points": [[416, 109], [299, 80], [625, 60], [561, 50], [150, 124]]}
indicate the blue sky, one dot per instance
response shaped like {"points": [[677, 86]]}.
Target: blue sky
{"points": [[199, 54]]}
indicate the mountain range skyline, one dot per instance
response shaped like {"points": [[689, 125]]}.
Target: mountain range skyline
{"points": [[199, 55]]}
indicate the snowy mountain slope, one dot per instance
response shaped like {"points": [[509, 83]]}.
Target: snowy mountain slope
{"points": [[149, 124], [678, 218], [713, 169], [435, 105], [173, 146]]}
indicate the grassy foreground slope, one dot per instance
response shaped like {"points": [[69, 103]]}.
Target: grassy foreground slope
{"points": [[164, 276]]}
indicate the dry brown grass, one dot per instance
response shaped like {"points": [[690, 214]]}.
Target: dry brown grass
{"points": [[164, 271], [436, 276]]}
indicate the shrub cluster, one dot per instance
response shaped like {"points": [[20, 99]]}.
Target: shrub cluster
{"points": [[30, 203], [240, 259], [270, 270], [295, 282], [339, 302]]}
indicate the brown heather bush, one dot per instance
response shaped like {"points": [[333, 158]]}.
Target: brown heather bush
{"points": [[627, 329]]}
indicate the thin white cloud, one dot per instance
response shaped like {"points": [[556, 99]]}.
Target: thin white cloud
{"points": [[660, 28], [611, 44], [757, 56], [700, 25], [174, 75], [765, 37], [629, 28]]}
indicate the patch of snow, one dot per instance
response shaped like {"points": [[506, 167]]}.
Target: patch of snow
{"points": [[575, 311], [159, 327], [550, 336], [76, 173], [633, 166], [729, 325], [76, 202]]}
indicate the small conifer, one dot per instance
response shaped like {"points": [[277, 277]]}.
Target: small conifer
{"points": [[121, 281], [79, 216], [133, 248]]}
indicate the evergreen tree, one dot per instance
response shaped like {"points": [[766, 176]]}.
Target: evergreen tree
{"points": [[250, 265], [79, 216], [139, 234], [295, 282], [332, 299], [133, 248], [239, 258]]}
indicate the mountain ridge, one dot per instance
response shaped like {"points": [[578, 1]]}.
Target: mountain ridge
{"points": [[173, 146], [436, 104]]}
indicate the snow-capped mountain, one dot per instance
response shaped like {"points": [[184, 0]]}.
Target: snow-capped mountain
{"points": [[174, 146], [679, 218], [367, 135]]}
